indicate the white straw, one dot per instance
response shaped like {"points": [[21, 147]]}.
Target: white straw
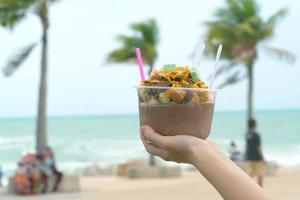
{"points": [[198, 55], [216, 65]]}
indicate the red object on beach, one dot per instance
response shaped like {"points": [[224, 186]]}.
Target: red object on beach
{"points": [[27, 179], [21, 183]]}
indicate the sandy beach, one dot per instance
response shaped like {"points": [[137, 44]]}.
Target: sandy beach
{"points": [[191, 186], [285, 185]]}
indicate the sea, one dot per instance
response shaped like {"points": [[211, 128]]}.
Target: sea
{"points": [[80, 141]]}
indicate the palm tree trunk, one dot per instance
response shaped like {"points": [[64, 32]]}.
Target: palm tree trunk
{"points": [[151, 65], [41, 131], [250, 91]]}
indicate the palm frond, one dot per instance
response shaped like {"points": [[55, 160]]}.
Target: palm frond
{"points": [[249, 30], [13, 11], [121, 55], [232, 79], [148, 30], [15, 62], [127, 51], [277, 16], [130, 41], [145, 37], [240, 28], [234, 6], [226, 16], [242, 9], [250, 8], [281, 54], [225, 68]]}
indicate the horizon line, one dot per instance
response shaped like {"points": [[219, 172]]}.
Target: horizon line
{"points": [[136, 114]]}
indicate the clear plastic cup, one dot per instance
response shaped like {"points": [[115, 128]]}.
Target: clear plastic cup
{"points": [[177, 111]]}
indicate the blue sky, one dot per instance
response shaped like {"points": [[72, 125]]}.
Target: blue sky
{"points": [[83, 32]]}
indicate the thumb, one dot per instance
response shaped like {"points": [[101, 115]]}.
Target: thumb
{"points": [[154, 138]]}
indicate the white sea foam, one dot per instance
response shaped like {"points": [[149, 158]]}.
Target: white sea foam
{"points": [[13, 141], [289, 156]]}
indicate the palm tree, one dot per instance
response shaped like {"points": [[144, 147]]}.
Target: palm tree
{"points": [[241, 30], [145, 36], [11, 13]]}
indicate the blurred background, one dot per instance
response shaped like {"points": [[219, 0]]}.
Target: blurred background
{"points": [[90, 117]]}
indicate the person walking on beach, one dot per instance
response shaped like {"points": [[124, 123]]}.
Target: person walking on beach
{"points": [[254, 154]]}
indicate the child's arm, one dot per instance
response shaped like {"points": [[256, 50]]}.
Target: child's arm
{"points": [[228, 179]]}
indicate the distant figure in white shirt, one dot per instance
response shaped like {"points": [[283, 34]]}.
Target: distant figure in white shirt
{"points": [[234, 153]]}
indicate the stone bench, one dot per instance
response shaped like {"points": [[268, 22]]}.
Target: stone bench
{"points": [[123, 168], [153, 172], [70, 183], [169, 172], [139, 168], [95, 170]]}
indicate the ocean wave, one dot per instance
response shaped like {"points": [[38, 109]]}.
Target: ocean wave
{"points": [[105, 148], [13, 141], [73, 156], [287, 156]]}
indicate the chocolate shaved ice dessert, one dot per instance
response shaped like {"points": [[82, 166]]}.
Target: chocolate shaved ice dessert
{"points": [[175, 101]]}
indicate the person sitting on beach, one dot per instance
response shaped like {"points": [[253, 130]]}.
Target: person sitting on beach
{"points": [[234, 153], [45, 171], [48, 169], [254, 154], [228, 179], [50, 162]]}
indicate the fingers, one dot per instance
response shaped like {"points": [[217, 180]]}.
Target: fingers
{"points": [[156, 151], [153, 149], [152, 137]]}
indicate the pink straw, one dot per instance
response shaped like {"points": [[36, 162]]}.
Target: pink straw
{"points": [[140, 62]]}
